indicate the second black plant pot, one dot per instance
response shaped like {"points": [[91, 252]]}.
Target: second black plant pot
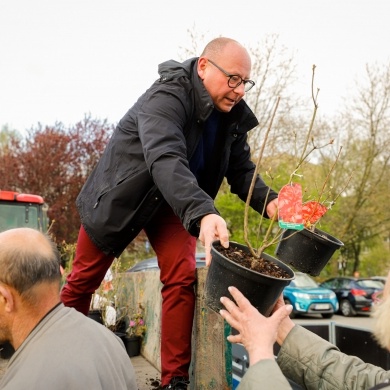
{"points": [[260, 289], [96, 315], [133, 345], [306, 250]]}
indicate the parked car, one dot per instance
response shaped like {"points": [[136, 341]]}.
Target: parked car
{"points": [[307, 297], [355, 295], [381, 279], [151, 263]]}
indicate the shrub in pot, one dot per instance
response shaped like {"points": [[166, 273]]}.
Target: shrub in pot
{"points": [[307, 250], [135, 332], [303, 246], [222, 273]]}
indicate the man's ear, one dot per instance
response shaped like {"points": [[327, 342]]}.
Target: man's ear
{"points": [[7, 300], [202, 65]]}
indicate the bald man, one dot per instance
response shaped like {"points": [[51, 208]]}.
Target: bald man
{"points": [[160, 173], [56, 347]]}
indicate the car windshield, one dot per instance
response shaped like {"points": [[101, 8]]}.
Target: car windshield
{"points": [[302, 280]]}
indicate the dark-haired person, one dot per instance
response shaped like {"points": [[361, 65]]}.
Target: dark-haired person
{"points": [[160, 172], [56, 347]]}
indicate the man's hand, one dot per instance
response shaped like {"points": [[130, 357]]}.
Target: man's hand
{"points": [[213, 227], [272, 208], [256, 332]]}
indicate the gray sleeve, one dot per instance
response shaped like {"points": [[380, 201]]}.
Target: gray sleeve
{"points": [[314, 363], [265, 374]]}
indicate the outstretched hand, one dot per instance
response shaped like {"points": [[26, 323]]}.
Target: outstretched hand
{"points": [[257, 333], [213, 227]]}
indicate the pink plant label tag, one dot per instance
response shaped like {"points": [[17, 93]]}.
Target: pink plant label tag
{"points": [[312, 211], [290, 207]]}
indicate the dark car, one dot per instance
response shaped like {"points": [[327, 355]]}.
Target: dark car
{"points": [[355, 295], [307, 297], [151, 263], [381, 279]]}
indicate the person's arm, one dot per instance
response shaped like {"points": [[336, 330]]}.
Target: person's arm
{"points": [[265, 374], [256, 332], [314, 363], [258, 335], [161, 123], [304, 357]]}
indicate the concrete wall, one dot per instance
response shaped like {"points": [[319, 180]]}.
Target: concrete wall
{"points": [[145, 288], [211, 366]]}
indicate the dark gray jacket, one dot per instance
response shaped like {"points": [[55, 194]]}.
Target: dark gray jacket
{"points": [[146, 161]]}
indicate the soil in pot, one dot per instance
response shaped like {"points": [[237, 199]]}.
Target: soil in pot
{"points": [[247, 260], [260, 280], [306, 250]]}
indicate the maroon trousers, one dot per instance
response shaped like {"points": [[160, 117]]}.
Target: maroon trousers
{"points": [[175, 249]]}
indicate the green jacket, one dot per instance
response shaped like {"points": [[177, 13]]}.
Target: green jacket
{"points": [[314, 364]]}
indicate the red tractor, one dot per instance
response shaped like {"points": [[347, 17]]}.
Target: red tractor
{"points": [[22, 210]]}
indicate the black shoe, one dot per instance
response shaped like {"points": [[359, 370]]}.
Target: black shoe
{"points": [[177, 383]]}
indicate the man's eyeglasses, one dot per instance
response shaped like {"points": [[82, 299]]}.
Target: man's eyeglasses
{"points": [[234, 80]]}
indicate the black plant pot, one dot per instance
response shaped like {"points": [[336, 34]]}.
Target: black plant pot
{"points": [[307, 251], [96, 315], [120, 326], [133, 345], [121, 335], [261, 290]]}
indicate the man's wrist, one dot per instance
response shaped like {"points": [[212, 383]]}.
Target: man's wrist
{"points": [[284, 329]]}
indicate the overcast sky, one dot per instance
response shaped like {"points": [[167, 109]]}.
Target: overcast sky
{"points": [[61, 59]]}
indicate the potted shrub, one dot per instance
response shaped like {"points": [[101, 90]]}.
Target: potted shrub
{"points": [[308, 249], [104, 304], [302, 244], [261, 279], [218, 279], [258, 275], [135, 332]]}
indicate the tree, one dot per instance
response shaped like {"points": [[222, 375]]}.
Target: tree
{"points": [[54, 162], [364, 216], [9, 144]]}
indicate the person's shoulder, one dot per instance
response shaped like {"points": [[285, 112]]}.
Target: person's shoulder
{"points": [[172, 69], [71, 325]]}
